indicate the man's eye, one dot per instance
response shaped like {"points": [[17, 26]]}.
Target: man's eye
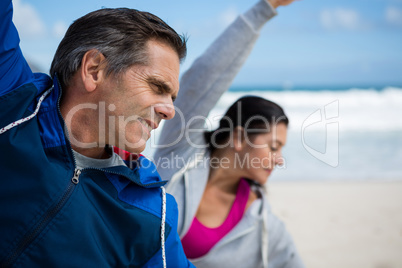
{"points": [[158, 89], [274, 149]]}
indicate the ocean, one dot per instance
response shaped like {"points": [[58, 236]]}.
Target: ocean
{"points": [[335, 133]]}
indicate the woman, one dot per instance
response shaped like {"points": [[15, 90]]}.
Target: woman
{"points": [[224, 217]]}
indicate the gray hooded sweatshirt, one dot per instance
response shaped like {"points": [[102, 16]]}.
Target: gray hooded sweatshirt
{"points": [[260, 238]]}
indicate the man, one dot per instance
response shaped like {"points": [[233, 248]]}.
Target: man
{"points": [[67, 200]]}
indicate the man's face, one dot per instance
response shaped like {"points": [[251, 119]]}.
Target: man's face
{"points": [[140, 98]]}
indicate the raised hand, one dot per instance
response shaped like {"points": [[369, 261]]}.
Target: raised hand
{"points": [[277, 3]]}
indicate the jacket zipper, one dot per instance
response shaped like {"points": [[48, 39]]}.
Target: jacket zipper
{"points": [[50, 213], [29, 238]]}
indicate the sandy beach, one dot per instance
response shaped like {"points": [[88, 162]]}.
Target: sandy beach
{"points": [[342, 224]]}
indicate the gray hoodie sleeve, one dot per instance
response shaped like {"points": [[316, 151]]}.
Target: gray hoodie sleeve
{"points": [[202, 86], [282, 251]]}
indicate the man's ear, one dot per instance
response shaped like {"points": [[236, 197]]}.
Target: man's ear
{"points": [[239, 140], [92, 69]]}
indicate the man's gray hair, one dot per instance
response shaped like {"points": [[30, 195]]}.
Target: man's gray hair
{"points": [[120, 34]]}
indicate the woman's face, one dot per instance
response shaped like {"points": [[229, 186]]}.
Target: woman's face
{"points": [[260, 153]]}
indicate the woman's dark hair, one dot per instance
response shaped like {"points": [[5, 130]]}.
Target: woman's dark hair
{"points": [[120, 34], [250, 112]]}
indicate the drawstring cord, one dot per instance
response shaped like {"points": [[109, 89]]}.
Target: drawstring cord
{"points": [[19, 122], [265, 234], [163, 225], [264, 240]]}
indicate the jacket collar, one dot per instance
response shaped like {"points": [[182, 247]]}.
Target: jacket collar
{"points": [[138, 169]]}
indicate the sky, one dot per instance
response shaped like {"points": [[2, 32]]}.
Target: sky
{"points": [[310, 42]]}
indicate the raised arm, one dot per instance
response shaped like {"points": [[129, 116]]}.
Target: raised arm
{"points": [[206, 80], [14, 70]]}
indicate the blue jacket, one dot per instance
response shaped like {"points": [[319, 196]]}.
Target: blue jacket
{"points": [[53, 215]]}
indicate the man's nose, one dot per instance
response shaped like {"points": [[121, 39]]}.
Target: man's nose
{"points": [[165, 110]]}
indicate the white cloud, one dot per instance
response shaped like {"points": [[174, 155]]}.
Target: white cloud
{"points": [[393, 15], [59, 29], [228, 16], [340, 18], [27, 20]]}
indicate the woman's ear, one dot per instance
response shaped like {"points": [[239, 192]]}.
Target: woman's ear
{"points": [[238, 136], [92, 69]]}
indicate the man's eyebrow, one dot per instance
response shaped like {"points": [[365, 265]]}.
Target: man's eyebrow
{"points": [[163, 85]]}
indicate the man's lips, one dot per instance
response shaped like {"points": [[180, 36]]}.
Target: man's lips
{"points": [[152, 124], [147, 128], [147, 124]]}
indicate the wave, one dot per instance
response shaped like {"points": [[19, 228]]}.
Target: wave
{"points": [[365, 143], [355, 109]]}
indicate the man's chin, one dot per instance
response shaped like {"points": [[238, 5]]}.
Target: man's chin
{"points": [[135, 148]]}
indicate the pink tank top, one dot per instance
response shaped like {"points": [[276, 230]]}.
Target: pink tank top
{"points": [[200, 239]]}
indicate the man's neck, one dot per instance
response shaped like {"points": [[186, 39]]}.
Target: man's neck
{"points": [[97, 153]]}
